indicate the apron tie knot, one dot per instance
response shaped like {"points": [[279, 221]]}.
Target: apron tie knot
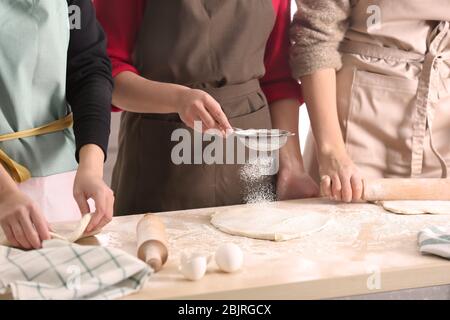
{"points": [[18, 172]]}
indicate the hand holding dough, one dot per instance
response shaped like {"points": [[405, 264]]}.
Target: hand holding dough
{"points": [[67, 231]]}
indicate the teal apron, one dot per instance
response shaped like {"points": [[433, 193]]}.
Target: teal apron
{"points": [[34, 39]]}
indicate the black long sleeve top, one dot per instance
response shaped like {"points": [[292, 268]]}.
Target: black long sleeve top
{"points": [[89, 80]]}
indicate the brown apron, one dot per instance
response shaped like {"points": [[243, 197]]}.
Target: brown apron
{"points": [[216, 46]]}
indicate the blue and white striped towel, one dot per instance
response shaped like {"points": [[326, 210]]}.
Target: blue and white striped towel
{"points": [[435, 240], [63, 270]]}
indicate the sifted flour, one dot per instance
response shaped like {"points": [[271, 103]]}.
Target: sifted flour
{"points": [[258, 180]]}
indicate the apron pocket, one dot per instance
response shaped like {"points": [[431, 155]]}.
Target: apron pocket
{"points": [[379, 123], [243, 106]]}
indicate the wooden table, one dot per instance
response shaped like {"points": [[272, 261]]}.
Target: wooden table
{"points": [[362, 250]]}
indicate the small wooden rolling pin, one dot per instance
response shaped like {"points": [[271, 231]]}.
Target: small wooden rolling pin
{"points": [[152, 241], [406, 189]]}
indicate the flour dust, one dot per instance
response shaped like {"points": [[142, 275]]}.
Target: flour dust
{"points": [[258, 179]]}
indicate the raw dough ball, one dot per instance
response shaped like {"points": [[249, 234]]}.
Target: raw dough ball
{"points": [[416, 207], [194, 267], [269, 223], [229, 257]]}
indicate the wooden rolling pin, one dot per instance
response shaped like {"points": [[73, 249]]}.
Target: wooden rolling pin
{"points": [[406, 189], [152, 241]]}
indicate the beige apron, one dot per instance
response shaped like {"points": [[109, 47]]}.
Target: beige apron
{"points": [[216, 46], [393, 91]]}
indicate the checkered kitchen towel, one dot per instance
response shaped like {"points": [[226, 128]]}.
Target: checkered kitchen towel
{"points": [[435, 240], [62, 270]]}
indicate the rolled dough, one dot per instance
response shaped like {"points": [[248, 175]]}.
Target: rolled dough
{"points": [[268, 223], [67, 231], [416, 207]]}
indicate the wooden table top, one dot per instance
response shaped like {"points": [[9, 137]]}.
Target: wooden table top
{"points": [[363, 249]]}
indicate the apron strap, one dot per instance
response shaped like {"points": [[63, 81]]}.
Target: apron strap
{"points": [[433, 148], [425, 110], [18, 172], [374, 51]]}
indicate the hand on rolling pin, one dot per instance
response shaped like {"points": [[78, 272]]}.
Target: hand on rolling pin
{"points": [[340, 179], [22, 221], [197, 105], [89, 184]]}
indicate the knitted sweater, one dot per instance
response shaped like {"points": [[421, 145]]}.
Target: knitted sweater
{"points": [[318, 28]]}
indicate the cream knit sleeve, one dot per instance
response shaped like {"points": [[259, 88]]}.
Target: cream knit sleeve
{"points": [[318, 28]]}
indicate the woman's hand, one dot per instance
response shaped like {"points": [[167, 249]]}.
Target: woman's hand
{"points": [[22, 220], [89, 184], [341, 179], [295, 185], [136, 94], [197, 105]]}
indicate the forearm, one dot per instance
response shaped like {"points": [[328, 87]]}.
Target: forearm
{"points": [[319, 91], [92, 159], [89, 82], [137, 94], [285, 115], [6, 182]]}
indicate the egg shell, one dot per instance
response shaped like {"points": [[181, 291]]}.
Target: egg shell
{"points": [[229, 257], [193, 268]]}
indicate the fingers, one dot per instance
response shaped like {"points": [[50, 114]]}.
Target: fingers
{"points": [[206, 118], [20, 235], [336, 187], [82, 202], [40, 224], [346, 190], [10, 235], [30, 232], [108, 215], [104, 200], [357, 187], [344, 186], [214, 108], [325, 186]]}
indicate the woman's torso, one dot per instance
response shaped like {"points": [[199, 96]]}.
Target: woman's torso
{"points": [[216, 46], [34, 37], [395, 85], [204, 44]]}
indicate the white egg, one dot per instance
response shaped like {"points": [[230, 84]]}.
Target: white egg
{"points": [[229, 257], [193, 267]]}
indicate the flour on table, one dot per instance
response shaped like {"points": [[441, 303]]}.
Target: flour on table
{"points": [[266, 223], [67, 231], [416, 207]]}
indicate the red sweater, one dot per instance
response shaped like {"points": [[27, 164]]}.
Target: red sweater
{"points": [[122, 19]]}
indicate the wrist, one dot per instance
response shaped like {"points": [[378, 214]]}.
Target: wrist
{"points": [[179, 95], [9, 188], [7, 184], [335, 150], [91, 160]]}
